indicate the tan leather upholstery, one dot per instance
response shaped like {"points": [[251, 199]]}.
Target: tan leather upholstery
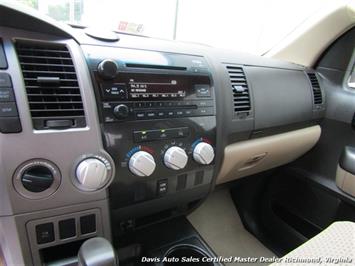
{"points": [[333, 246]]}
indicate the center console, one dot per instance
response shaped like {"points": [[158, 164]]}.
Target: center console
{"points": [[158, 122]]}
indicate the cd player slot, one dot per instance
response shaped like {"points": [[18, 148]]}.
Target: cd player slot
{"points": [[155, 66]]}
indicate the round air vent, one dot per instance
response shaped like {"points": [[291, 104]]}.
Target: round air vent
{"points": [[37, 178]]}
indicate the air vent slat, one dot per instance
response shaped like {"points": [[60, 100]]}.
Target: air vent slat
{"points": [[317, 92], [51, 83], [240, 89]]}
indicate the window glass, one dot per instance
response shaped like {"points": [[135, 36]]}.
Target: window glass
{"points": [[253, 26]]}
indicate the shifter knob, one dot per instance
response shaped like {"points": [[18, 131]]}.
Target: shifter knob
{"points": [[97, 251]]}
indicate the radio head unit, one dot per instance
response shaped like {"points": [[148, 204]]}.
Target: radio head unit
{"points": [[155, 87], [147, 85]]}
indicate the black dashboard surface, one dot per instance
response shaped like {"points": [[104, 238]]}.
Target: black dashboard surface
{"points": [[232, 97]]}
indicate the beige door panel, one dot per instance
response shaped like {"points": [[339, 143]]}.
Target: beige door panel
{"points": [[345, 181]]}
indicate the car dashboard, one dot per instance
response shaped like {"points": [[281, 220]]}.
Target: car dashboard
{"points": [[100, 135]]}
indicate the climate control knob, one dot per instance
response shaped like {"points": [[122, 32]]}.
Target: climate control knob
{"points": [[92, 173], [203, 153], [142, 163], [175, 158]]}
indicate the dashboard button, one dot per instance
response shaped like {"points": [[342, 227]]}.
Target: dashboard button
{"points": [[159, 104], [170, 114], [150, 104], [5, 80], [116, 91], [6, 95], [181, 132], [161, 114], [8, 109], [67, 228], [10, 125], [162, 187], [204, 103], [140, 115], [45, 233], [139, 104], [88, 224], [188, 113], [141, 136], [179, 113], [204, 111], [151, 114], [203, 90], [168, 104]]}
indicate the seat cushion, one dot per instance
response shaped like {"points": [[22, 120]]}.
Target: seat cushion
{"points": [[334, 245]]}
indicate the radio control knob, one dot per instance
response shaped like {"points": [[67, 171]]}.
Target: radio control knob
{"points": [[92, 173], [142, 163], [108, 69], [203, 153], [175, 158], [121, 111]]}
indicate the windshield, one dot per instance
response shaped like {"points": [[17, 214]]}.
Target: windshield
{"points": [[253, 26]]}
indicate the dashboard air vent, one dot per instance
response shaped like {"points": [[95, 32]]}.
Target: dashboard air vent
{"points": [[317, 92], [241, 96], [51, 84]]}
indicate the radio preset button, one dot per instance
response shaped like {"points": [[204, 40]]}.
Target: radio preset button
{"points": [[161, 114], [170, 114], [151, 114], [139, 104], [188, 113], [179, 113], [159, 104], [168, 104]]}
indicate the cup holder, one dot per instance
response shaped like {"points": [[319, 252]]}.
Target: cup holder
{"points": [[186, 254]]}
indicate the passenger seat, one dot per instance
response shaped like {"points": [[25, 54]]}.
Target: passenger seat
{"points": [[334, 245]]}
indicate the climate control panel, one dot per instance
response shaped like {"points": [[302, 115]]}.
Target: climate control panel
{"points": [[158, 125]]}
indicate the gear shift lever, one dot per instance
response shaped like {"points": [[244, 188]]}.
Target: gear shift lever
{"points": [[97, 251]]}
